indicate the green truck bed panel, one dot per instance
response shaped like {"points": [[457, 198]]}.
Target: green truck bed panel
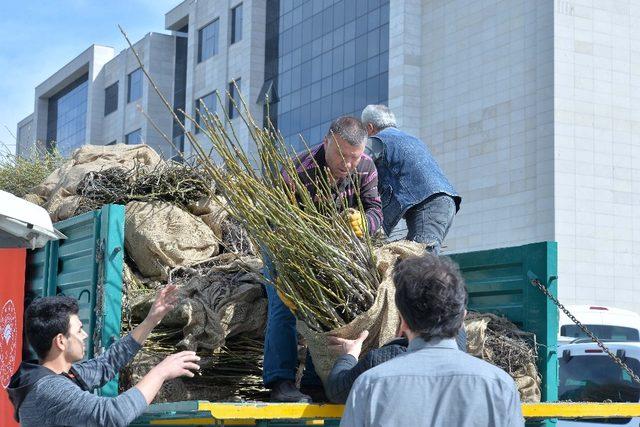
{"points": [[89, 264]]}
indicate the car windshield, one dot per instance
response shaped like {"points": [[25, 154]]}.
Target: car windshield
{"points": [[604, 332], [596, 378]]}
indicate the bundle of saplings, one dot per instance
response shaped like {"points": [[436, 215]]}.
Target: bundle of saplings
{"points": [[335, 281]]}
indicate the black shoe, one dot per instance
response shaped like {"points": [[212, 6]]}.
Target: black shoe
{"points": [[316, 392], [286, 391]]}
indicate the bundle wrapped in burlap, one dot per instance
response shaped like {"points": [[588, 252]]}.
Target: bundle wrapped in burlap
{"points": [[381, 320], [233, 373], [220, 299], [211, 210], [500, 342], [221, 314], [160, 236], [58, 191]]}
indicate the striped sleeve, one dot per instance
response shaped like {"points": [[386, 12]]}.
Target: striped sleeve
{"points": [[369, 195]]}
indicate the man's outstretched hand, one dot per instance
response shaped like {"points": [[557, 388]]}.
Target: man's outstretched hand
{"points": [[165, 301], [183, 364], [342, 346]]}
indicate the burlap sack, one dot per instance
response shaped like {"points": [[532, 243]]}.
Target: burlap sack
{"points": [[61, 184], [63, 205], [476, 336], [529, 384], [159, 236], [216, 302], [34, 198], [212, 211], [381, 320], [480, 343]]}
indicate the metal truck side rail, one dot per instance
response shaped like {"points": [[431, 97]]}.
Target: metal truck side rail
{"points": [[257, 413]]}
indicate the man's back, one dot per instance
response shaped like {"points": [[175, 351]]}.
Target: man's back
{"points": [[434, 384]]}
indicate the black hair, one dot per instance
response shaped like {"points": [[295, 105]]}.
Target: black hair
{"points": [[46, 318], [431, 295]]}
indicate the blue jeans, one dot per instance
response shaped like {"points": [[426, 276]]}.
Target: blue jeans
{"points": [[429, 221], [281, 340]]}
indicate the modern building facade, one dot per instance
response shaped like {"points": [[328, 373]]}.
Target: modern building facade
{"points": [[103, 98], [326, 59], [531, 107]]}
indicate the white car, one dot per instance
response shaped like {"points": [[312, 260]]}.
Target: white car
{"points": [[607, 323], [588, 374]]}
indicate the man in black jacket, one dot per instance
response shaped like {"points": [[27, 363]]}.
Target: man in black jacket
{"points": [[347, 368]]}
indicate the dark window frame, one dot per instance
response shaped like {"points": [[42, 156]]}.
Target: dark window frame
{"points": [[234, 95], [127, 137], [111, 100], [214, 37], [236, 19], [64, 131], [137, 74], [212, 108]]}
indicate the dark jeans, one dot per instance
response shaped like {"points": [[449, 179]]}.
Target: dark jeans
{"points": [[429, 221], [281, 340]]}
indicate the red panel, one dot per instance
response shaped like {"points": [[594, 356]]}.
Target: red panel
{"points": [[12, 274]]}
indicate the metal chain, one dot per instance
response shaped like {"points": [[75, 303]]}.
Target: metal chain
{"points": [[590, 334]]}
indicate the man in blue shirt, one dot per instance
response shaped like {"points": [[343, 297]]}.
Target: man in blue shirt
{"points": [[411, 184], [433, 383]]}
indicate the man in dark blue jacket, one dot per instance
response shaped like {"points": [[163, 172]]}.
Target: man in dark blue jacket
{"points": [[410, 182]]}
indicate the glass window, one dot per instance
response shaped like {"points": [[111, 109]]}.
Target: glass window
{"points": [[331, 60], [596, 378], [113, 142], [384, 38], [295, 77], [373, 20], [338, 14], [208, 41], [327, 18], [236, 24], [373, 42], [608, 332], [134, 137], [111, 99], [134, 86], [205, 105], [307, 35], [234, 98], [373, 68], [326, 86], [66, 118]]}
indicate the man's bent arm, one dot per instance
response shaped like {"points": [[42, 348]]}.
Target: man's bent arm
{"points": [[100, 370], [63, 403], [371, 198], [341, 378]]}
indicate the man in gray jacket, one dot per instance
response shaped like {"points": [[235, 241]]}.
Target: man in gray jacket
{"points": [[56, 389], [433, 383]]}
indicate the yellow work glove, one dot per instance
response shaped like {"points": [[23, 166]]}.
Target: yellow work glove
{"points": [[290, 305], [357, 222]]}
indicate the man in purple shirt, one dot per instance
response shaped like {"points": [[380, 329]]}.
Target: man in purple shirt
{"points": [[340, 160]]}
